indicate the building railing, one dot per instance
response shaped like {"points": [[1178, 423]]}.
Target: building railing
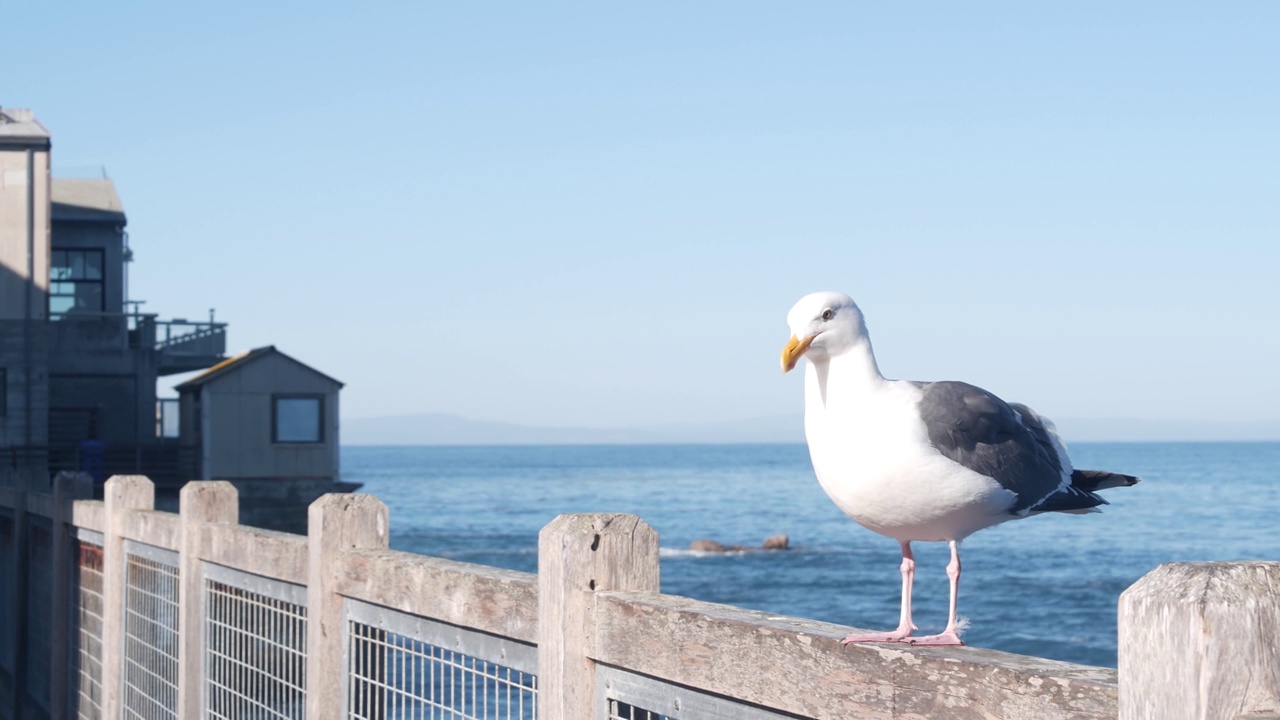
{"points": [[178, 340], [184, 345], [167, 462], [194, 337], [159, 615]]}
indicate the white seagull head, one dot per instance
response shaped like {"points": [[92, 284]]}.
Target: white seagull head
{"points": [[823, 325]]}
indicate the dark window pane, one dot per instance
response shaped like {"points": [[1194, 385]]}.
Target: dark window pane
{"points": [[88, 297], [60, 304], [58, 269], [298, 419], [93, 265], [76, 282]]}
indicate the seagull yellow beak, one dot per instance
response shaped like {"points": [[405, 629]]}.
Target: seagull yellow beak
{"points": [[792, 352]]}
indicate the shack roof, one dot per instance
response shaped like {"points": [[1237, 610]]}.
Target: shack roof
{"points": [[233, 364]]}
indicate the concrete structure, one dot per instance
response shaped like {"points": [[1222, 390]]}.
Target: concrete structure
{"points": [[24, 286], [335, 624], [102, 378], [104, 359], [77, 369], [79, 361]]}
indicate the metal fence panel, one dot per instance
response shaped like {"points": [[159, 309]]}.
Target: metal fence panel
{"points": [[256, 646], [403, 666], [151, 632], [622, 695], [39, 608], [86, 627]]}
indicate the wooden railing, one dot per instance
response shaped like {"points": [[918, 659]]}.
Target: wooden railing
{"points": [[335, 624]]}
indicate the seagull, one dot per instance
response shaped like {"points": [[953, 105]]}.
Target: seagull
{"points": [[922, 461]]}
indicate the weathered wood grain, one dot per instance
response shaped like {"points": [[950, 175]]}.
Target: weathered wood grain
{"points": [[799, 666], [580, 556], [89, 514], [201, 503], [1201, 641], [67, 488], [153, 527], [278, 555], [336, 523], [1198, 641], [40, 504], [500, 602], [123, 496]]}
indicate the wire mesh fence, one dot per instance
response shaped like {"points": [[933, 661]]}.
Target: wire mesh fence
{"points": [[256, 646], [86, 629], [628, 696], [39, 608], [400, 666], [151, 633], [619, 710]]}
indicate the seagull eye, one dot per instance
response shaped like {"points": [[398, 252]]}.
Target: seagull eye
{"points": [[828, 314]]}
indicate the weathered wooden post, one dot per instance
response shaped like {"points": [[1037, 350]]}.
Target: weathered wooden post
{"points": [[199, 503], [122, 495], [335, 523], [579, 555], [1201, 641], [67, 488]]}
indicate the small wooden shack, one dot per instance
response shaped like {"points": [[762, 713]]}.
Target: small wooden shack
{"points": [[262, 416]]}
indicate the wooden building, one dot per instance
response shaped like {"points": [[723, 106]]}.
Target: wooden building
{"points": [[261, 416]]}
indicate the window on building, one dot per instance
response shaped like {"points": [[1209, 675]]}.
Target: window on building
{"points": [[75, 282], [297, 419]]}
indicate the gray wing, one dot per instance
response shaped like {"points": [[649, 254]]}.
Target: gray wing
{"points": [[978, 430]]}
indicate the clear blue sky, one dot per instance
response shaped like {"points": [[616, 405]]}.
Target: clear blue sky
{"points": [[580, 214]]}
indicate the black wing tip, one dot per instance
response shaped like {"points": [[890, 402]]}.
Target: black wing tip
{"points": [[1071, 499], [1094, 480]]}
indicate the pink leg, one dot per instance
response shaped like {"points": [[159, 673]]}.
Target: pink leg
{"points": [[951, 635], [905, 625]]}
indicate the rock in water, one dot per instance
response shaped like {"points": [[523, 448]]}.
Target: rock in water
{"points": [[775, 542]]}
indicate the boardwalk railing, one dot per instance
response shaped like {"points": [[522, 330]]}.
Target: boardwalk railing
{"points": [[109, 609]]}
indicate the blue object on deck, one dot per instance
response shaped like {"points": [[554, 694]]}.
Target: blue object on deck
{"points": [[92, 459]]}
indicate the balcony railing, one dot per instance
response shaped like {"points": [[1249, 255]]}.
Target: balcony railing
{"points": [[184, 345]]}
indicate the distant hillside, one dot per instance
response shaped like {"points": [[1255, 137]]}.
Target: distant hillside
{"points": [[1139, 430], [443, 429]]}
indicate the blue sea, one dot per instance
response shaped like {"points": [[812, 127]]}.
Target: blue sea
{"points": [[1043, 586]]}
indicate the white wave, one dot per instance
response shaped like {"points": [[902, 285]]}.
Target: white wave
{"points": [[686, 552]]}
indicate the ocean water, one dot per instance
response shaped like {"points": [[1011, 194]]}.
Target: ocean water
{"points": [[1044, 586]]}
